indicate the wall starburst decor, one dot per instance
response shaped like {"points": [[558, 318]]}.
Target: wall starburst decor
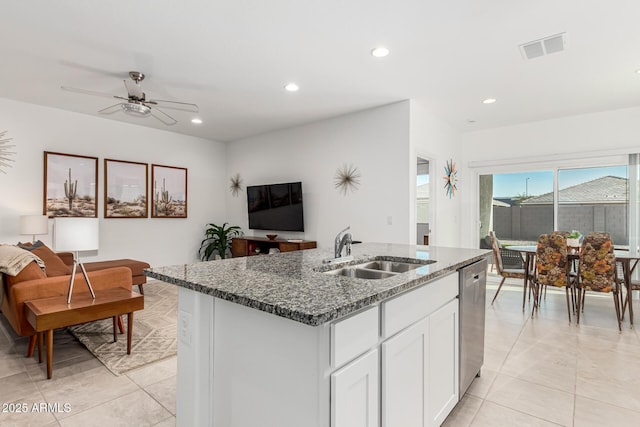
{"points": [[5, 152], [347, 178], [450, 178], [235, 185]]}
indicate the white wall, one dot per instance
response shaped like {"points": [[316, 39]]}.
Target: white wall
{"points": [[575, 135], [433, 139], [37, 129], [375, 141], [579, 140]]}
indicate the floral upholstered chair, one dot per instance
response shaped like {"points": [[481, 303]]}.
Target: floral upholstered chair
{"points": [[597, 270], [552, 266]]}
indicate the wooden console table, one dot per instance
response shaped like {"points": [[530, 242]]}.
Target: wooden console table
{"points": [[246, 246], [48, 314]]}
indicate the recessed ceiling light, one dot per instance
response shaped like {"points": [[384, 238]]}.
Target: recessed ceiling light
{"points": [[292, 87], [489, 101], [638, 71], [380, 52], [196, 121]]}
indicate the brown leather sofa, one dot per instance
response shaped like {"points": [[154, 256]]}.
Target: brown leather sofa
{"points": [[103, 275]]}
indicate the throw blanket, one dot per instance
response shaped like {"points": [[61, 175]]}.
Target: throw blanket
{"points": [[13, 259]]}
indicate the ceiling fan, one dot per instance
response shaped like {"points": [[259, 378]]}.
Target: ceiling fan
{"points": [[136, 104]]}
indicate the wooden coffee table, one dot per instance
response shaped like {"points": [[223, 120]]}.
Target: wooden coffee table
{"points": [[48, 314]]}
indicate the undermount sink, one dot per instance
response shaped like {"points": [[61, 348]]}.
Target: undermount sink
{"points": [[361, 273], [378, 269], [396, 267]]}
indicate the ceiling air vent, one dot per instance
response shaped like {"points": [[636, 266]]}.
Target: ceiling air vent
{"points": [[545, 46]]}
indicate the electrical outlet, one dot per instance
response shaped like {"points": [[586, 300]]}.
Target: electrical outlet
{"points": [[184, 327], [389, 220]]}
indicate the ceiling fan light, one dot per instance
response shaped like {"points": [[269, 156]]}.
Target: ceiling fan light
{"points": [[136, 110]]}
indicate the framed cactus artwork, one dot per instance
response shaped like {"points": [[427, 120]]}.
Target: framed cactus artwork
{"points": [[125, 189], [169, 192], [70, 185]]}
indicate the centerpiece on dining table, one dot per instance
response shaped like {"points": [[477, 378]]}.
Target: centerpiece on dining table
{"points": [[573, 239]]}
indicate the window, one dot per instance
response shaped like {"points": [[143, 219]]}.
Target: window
{"points": [[521, 206], [595, 199], [517, 206]]}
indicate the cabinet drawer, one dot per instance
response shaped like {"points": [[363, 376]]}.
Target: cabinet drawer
{"points": [[353, 336], [402, 311]]}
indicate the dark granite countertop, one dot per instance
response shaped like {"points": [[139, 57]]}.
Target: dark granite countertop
{"points": [[294, 285]]}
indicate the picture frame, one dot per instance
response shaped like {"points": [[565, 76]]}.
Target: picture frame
{"points": [[169, 191], [126, 189], [70, 185]]}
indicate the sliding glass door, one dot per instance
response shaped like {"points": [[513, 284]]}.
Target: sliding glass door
{"points": [[595, 199], [521, 206]]}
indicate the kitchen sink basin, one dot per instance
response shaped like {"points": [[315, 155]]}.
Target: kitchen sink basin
{"points": [[378, 269], [396, 267], [362, 273]]}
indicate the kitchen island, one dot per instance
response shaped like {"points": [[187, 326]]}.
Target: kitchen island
{"points": [[287, 340]]}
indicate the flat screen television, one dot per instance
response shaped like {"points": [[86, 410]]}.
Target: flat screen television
{"points": [[275, 207]]}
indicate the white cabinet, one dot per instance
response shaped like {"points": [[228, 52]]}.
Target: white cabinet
{"points": [[420, 371], [443, 356], [355, 393], [404, 377], [391, 364]]}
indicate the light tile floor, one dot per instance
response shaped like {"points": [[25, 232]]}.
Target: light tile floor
{"points": [[546, 371], [537, 372], [93, 395]]}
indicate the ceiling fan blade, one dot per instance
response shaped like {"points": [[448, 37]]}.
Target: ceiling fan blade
{"points": [[175, 105], [88, 92], [112, 109], [163, 117], [91, 69]]}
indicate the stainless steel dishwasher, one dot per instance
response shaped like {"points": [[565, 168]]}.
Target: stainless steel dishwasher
{"points": [[473, 283]]}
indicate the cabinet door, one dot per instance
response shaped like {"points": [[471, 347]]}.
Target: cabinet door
{"points": [[288, 246], [443, 357], [239, 247], [354, 393], [404, 377]]}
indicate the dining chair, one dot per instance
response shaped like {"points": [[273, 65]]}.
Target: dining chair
{"points": [[634, 285], [597, 271], [571, 269], [513, 273], [552, 267]]}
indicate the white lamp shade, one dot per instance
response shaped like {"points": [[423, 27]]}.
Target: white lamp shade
{"points": [[75, 234], [34, 224]]}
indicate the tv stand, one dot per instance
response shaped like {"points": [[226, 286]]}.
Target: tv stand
{"points": [[248, 246]]}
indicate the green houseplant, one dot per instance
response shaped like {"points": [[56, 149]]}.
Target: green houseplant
{"points": [[573, 239], [218, 240]]}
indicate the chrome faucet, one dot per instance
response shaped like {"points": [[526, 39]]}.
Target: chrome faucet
{"points": [[342, 242]]}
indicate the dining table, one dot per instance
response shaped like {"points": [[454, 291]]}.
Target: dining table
{"points": [[626, 259]]}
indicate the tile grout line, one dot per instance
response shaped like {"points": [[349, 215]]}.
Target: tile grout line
{"points": [[484, 399]]}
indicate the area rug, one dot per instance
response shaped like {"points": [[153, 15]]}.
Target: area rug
{"points": [[154, 332]]}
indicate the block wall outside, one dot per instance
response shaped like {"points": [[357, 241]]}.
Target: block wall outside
{"points": [[528, 222]]}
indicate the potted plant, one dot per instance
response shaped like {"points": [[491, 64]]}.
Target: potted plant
{"points": [[573, 239], [218, 240]]}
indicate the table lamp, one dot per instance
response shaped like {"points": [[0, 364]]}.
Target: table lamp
{"points": [[76, 235], [34, 224]]}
